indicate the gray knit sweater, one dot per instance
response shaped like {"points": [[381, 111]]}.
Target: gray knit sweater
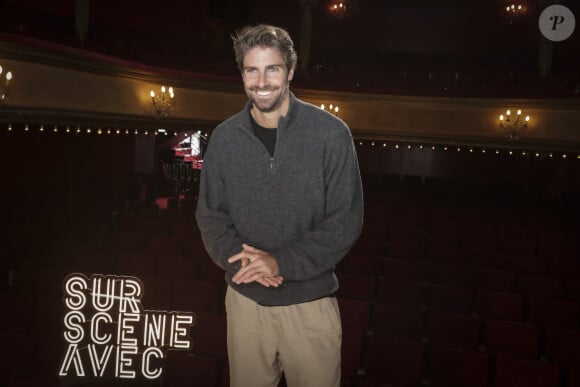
{"points": [[304, 205]]}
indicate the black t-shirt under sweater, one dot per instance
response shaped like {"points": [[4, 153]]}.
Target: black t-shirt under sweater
{"points": [[266, 135]]}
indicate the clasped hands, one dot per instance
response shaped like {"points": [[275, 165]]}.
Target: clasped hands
{"points": [[258, 266]]}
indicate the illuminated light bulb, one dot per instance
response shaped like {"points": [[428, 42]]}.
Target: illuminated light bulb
{"points": [[564, 156], [67, 129], [384, 145], [501, 117], [41, 128], [397, 146], [322, 106], [152, 94], [99, 131], [55, 129], [26, 129], [118, 131], [527, 118], [163, 89], [508, 112], [9, 75], [336, 109], [519, 112], [89, 130], [408, 146], [136, 131]]}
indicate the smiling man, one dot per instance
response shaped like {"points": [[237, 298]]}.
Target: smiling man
{"points": [[280, 204]]}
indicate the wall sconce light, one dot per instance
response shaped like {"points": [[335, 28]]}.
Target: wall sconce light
{"points": [[4, 84], [337, 8], [163, 102], [333, 109], [513, 126]]}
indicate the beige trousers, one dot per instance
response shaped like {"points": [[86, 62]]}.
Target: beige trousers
{"points": [[302, 340]]}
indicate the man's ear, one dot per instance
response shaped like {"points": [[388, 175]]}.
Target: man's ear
{"points": [[291, 73]]}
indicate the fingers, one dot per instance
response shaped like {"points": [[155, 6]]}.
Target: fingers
{"points": [[237, 257], [270, 281], [251, 249]]}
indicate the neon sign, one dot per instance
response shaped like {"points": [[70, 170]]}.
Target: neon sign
{"points": [[108, 333]]}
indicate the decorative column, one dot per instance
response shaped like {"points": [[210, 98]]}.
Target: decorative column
{"points": [[305, 32], [82, 9]]}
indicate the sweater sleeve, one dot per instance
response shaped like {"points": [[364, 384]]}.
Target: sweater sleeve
{"points": [[219, 235], [320, 248]]}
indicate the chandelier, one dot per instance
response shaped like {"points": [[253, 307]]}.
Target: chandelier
{"points": [[333, 109], [163, 102], [4, 84], [337, 8], [513, 125], [515, 9], [515, 12]]}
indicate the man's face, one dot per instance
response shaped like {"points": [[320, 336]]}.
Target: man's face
{"points": [[266, 79]]}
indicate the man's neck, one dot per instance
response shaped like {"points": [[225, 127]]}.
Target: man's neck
{"points": [[270, 119]]}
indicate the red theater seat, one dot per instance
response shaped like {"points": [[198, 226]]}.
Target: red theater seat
{"points": [[398, 321], [499, 305], [553, 313], [449, 298], [184, 369], [446, 274], [457, 368], [16, 357], [511, 371], [209, 334], [492, 279], [452, 330], [403, 269], [157, 294], [178, 268], [136, 264], [197, 296], [563, 347], [540, 285], [19, 312], [400, 292], [360, 287], [511, 338], [354, 313], [394, 361]]}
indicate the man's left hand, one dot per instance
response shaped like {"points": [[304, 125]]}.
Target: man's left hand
{"points": [[262, 267]]}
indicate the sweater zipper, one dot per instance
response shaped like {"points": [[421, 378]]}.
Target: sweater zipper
{"points": [[272, 166]]}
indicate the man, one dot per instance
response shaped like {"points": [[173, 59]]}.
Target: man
{"points": [[280, 204]]}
